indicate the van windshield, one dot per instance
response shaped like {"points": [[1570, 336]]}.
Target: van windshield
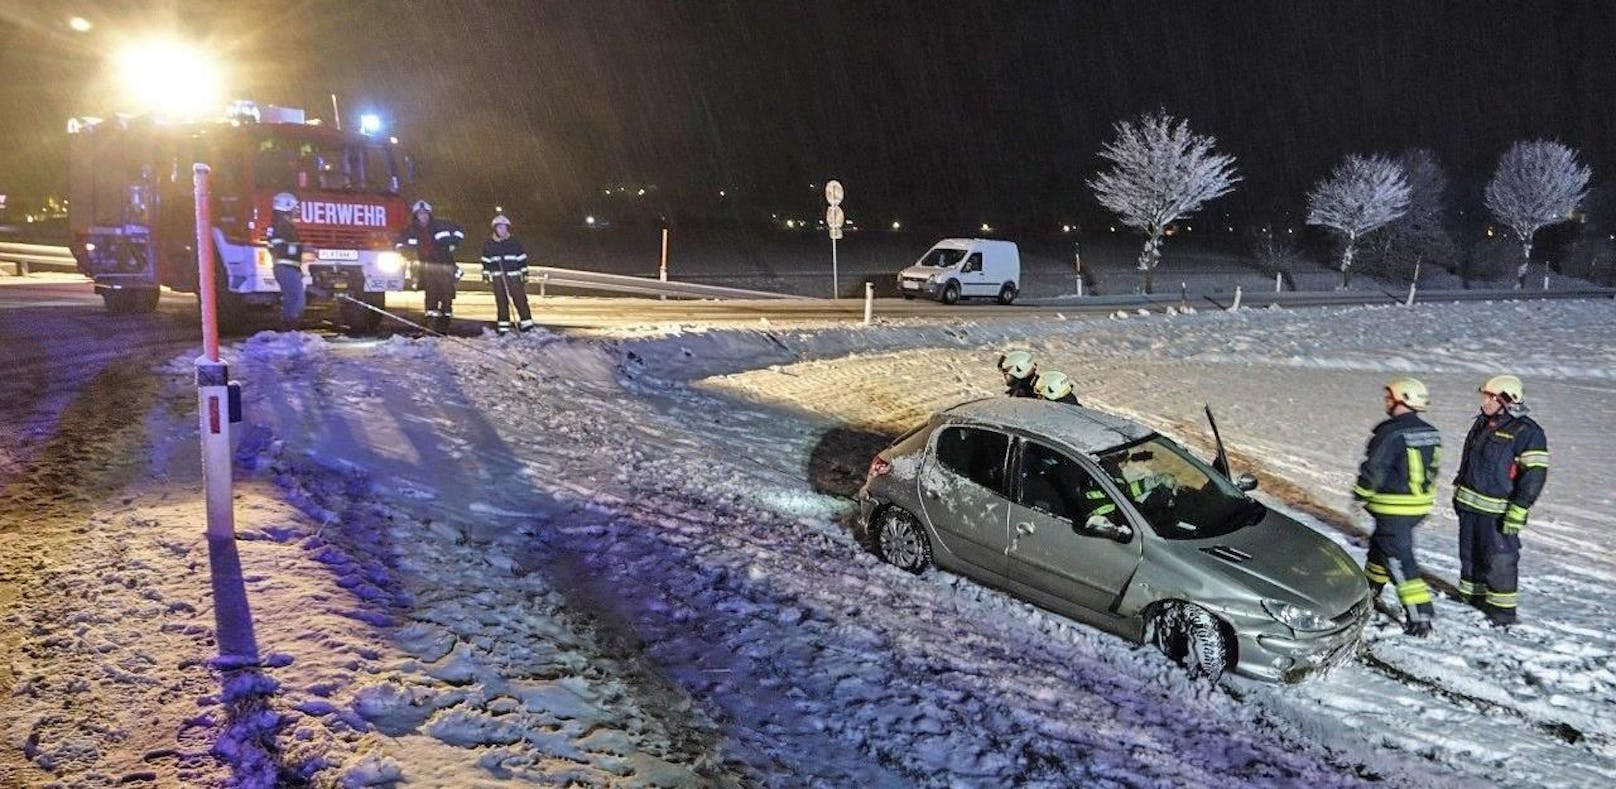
{"points": [[943, 258]]}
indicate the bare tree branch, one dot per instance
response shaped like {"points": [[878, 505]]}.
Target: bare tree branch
{"points": [[1161, 172]]}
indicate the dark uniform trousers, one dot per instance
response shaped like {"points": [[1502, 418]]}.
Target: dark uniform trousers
{"points": [[437, 279], [1391, 560], [1489, 563]]}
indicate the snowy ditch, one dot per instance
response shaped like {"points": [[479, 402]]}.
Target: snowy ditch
{"points": [[622, 559]]}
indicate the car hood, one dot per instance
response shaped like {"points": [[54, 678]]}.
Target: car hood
{"points": [[1282, 559]]}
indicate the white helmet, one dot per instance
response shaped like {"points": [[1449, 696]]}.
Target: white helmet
{"points": [[1016, 364], [1507, 387], [1053, 385], [421, 205], [285, 201], [500, 220], [1409, 391]]}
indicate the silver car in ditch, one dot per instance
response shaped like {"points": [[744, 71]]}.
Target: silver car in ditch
{"points": [[1106, 521]]}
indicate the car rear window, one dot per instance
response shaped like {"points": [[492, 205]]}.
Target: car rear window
{"points": [[973, 453]]}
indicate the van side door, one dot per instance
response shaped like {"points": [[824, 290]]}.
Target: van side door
{"points": [[973, 280]]}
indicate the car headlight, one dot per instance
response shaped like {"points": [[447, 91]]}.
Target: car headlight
{"points": [[931, 278], [1296, 617], [390, 262]]}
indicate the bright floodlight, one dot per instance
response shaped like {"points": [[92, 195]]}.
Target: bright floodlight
{"points": [[167, 77], [370, 123], [79, 24]]}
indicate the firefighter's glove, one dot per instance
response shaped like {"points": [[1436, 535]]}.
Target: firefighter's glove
{"points": [[458, 273], [1514, 520], [521, 276], [487, 277]]}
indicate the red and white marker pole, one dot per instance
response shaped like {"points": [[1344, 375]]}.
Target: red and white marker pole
{"points": [[238, 646]]}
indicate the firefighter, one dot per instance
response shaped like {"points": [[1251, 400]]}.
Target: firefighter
{"points": [[431, 242], [1055, 386], [1019, 373], [287, 253], [505, 265], [1397, 485], [1504, 467]]}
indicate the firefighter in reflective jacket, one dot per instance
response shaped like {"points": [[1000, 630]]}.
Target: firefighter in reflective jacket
{"points": [[431, 242], [1019, 373], [505, 268], [1506, 462], [1397, 485], [287, 253]]}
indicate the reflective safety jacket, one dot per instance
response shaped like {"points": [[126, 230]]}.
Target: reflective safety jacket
{"points": [[1399, 469], [1505, 464], [282, 241], [505, 257], [434, 243]]}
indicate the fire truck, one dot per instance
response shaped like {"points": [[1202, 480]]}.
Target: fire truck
{"points": [[132, 209]]}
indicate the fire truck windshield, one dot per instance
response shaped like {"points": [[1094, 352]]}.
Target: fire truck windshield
{"points": [[296, 165]]}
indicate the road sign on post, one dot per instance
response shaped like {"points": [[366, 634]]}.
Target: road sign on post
{"points": [[834, 219]]}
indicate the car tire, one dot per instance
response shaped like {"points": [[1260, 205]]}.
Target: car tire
{"points": [[951, 292], [1192, 637], [900, 541], [1007, 293]]}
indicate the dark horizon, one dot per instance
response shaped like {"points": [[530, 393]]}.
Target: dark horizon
{"points": [[960, 114]]}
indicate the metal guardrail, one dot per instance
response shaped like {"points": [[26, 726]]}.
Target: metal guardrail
{"points": [[27, 257]]}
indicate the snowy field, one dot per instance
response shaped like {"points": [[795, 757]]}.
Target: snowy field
{"points": [[623, 559]]}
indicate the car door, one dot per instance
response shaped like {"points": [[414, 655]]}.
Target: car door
{"points": [[1051, 547], [972, 279], [962, 492]]}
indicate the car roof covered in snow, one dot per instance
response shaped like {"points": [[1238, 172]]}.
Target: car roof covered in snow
{"points": [[1081, 428]]}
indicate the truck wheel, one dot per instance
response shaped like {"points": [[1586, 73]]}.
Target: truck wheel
{"points": [[1007, 293], [356, 317], [951, 292]]}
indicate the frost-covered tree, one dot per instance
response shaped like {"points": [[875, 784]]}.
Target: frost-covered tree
{"points": [[1161, 172], [1423, 234], [1361, 194], [1537, 183]]}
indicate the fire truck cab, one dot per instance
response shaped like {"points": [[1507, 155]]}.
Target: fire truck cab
{"points": [[132, 209]]}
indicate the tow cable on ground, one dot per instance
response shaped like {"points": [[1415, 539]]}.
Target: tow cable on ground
{"points": [[520, 368]]}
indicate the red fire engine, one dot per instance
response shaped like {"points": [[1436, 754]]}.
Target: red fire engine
{"points": [[132, 210]]}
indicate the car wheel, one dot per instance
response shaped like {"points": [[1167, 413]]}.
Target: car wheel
{"points": [[901, 542], [951, 293], [1191, 636], [1007, 293]]}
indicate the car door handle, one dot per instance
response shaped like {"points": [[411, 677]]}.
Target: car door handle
{"points": [[1024, 528]]}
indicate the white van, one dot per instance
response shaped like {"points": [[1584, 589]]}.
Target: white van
{"points": [[956, 268]]}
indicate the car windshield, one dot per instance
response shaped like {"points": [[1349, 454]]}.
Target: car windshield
{"points": [[942, 257], [1182, 497]]}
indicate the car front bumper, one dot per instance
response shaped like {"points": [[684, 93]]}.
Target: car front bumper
{"points": [[1270, 651], [930, 289]]}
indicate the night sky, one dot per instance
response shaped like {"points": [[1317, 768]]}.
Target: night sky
{"points": [[928, 111]]}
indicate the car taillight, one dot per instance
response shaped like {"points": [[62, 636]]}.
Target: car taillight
{"points": [[879, 466]]}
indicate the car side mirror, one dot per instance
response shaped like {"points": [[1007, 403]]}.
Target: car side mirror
{"points": [[1101, 526], [1245, 482]]}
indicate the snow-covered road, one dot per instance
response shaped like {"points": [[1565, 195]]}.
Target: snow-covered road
{"points": [[623, 558]]}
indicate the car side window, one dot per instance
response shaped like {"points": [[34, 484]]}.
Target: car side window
{"points": [[973, 453], [1051, 482], [972, 264]]}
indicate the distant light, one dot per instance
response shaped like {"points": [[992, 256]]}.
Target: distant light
{"points": [[589, 220], [1066, 228], [393, 140], [722, 193], [1231, 228], [1113, 228], [79, 24], [896, 225], [1489, 232], [1290, 231], [499, 209], [606, 192], [791, 223], [370, 123], [642, 191], [985, 228]]}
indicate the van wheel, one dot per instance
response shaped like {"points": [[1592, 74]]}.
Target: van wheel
{"points": [[1007, 293], [901, 542], [1192, 637], [951, 292]]}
